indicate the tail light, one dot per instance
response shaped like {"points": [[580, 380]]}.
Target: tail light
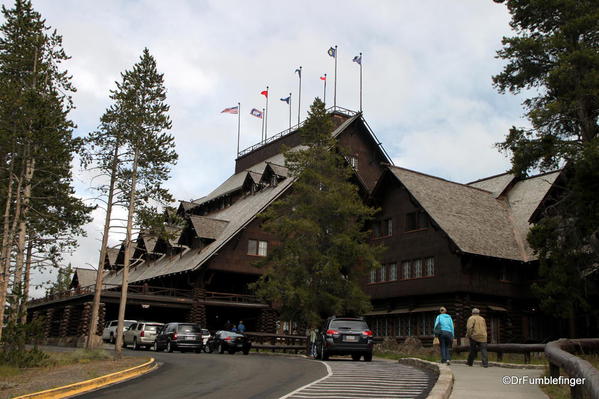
{"points": [[368, 333], [332, 332], [227, 338], [174, 336], [141, 334]]}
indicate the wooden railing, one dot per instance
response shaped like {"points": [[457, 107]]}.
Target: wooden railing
{"points": [[500, 349], [275, 342], [560, 354]]}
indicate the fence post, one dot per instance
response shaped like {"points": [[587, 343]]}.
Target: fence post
{"points": [[526, 357], [499, 356], [553, 370]]}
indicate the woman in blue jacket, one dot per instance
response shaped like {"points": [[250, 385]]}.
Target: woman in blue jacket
{"points": [[444, 330]]}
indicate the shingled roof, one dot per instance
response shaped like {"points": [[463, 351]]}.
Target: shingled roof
{"points": [[207, 227]]}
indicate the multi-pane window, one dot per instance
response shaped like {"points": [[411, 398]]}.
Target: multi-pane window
{"points": [[416, 221], [257, 248], [393, 272], [388, 227], [353, 161], [382, 228], [384, 273], [373, 276], [405, 270], [425, 323], [429, 267], [417, 268]]}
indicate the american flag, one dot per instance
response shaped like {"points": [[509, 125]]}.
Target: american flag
{"points": [[231, 110]]}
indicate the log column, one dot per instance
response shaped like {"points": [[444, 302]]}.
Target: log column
{"points": [[48, 322], [197, 314], [63, 329], [267, 321], [84, 320]]}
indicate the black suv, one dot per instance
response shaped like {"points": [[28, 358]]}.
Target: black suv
{"points": [[344, 336], [179, 336]]}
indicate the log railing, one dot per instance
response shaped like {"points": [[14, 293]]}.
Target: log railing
{"points": [[276, 342], [560, 354], [500, 349]]}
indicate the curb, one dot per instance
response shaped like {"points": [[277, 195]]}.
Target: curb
{"points": [[506, 365], [444, 385], [93, 384]]}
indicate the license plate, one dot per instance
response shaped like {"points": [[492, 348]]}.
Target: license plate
{"points": [[350, 338], [240, 345]]}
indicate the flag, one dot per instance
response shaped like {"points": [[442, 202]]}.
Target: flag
{"points": [[323, 78], [358, 59], [299, 72], [332, 52], [264, 93], [232, 110], [256, 113], [287, 100]]}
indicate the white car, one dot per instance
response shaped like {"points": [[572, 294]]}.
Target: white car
{"points": [[109, 332], [141, 334]]}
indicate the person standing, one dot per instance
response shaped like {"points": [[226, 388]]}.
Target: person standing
{"points": [[228, 326], [444, 330], [476, 331], [241, 327]]}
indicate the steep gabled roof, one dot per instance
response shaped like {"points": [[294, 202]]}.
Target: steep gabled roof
{"points": [[495, 184], [207, 227], [83, 277], [472, 218]]}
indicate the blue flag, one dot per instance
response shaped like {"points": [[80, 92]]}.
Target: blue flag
{"points": [[358, 59], [256, 113], [287, 100], [332, 52]]}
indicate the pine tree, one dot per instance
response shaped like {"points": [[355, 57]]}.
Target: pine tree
{"points": [[324, 252], [143, 117], [555, 53]]}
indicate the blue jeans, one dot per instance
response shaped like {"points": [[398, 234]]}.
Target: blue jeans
{"points": [[445, 340]]}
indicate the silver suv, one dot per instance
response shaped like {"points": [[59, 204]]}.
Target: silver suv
{"points": [[109, 332], [141, 334]]}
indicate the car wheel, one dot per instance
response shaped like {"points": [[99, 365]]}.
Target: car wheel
{"points": [[323, 353], [368, 357], [314, 351], [156, 347], [112, 340], [135, 346], [169, 347], [207, 348], [221, 349], [355, 357]]}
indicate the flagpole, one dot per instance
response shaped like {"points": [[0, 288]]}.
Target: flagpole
{"points": [[289, 112], [299, 96], [360, 82], [335, 90], [262, 136], [324, 95], [266, 116], [238, 125]]}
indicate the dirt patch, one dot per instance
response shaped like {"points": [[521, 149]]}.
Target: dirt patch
{"points": [[39, 379]]}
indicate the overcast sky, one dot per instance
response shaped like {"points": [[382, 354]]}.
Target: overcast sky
{"points": [[427, 68]]}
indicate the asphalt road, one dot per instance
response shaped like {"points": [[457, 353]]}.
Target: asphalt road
{"points": [[212, 376]]}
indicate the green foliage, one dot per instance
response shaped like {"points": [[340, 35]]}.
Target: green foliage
{"points": [[63, 280], [323, 253], [14, 338], [555, 55]]}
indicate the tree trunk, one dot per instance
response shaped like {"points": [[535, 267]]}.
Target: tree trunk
{"points": [[6, 245], [125, 283], [22, 235], [23, 303], [100, 276]]}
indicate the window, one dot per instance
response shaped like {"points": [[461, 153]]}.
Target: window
{"points": [[384, 273], [429, 267], [382, 228], [405, 268], [373, 276], [393, 272], [257, 248], [417, 268], [353, 161], [416, 221], [376, 229], [387, 227]]}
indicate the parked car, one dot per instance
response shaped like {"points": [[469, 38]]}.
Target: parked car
{"points": [[109, 332], [179, 336], [141, 334], [229, 341], [344, 336]]}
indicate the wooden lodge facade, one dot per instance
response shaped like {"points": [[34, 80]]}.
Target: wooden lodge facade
{"points": [[448, 244]]}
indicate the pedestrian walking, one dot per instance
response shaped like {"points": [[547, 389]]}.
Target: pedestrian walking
{"points": [[476, 331], [444, 331], [241, 326]]}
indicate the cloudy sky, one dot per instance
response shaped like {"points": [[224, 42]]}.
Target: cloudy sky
{"points": [[427, 68]]}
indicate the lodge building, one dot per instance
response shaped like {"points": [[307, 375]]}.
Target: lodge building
{"points": [[447, 244]]}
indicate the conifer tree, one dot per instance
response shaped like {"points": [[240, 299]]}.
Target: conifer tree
{"points": [[317, 268], [555, 55]]}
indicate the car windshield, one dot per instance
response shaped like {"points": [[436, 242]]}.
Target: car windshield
{"points": [[152, 327], [349, 324], [189, 328], [205, 332]]}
